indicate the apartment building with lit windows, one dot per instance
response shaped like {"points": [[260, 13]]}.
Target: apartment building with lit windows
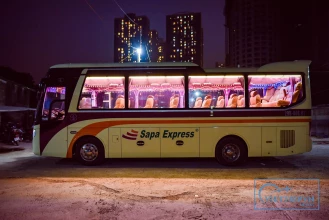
{"points": [[184, 38], [130, 33], [156, 47]]}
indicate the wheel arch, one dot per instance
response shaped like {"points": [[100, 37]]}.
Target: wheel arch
{"points": [[85, 137], [233, 136]]}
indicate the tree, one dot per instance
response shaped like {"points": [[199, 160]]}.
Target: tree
{"points": [[25, 79]]}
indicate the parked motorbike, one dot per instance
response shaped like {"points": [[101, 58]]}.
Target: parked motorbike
{"points": [[16, 135], [12, 134]]}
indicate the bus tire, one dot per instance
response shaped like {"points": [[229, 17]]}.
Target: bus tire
{"points": [[90, 151], [231, 151]]}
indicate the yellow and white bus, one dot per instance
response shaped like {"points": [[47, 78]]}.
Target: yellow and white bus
{"points": [[162, 110]]}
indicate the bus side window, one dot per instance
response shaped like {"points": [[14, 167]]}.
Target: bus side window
{"points": [[100, 92], [85, 103], [216, 91]]}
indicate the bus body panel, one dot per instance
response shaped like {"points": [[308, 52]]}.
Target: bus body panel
{"points": [[182, 141], [289, 140], [115, 143], [161, 141], [210, 136], [137, 147], [269, 141], [103, 136], [58, 144], [262, 139], [102, 133]]}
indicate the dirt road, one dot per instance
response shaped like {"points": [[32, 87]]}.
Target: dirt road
{"points": [[49, 188]]}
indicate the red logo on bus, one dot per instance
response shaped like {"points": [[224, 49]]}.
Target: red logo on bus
{"points": [[132, 135]]}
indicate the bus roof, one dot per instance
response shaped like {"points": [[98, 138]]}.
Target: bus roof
{"points": [[113, 65], [230, 70], [286, 66]]}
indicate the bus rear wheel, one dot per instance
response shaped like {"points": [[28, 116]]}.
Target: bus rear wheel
{"points": [[90, 151], [231, 151]]}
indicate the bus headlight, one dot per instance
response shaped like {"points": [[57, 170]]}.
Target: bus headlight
{"points": [[34, 133]]}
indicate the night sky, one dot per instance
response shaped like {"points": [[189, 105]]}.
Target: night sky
{"points": [[38, 34]]}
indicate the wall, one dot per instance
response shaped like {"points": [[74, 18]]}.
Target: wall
{"points": [[320, 121]]}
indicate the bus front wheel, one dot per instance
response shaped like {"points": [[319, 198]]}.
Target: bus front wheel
{"points": [[231, 151], [90, 151]]}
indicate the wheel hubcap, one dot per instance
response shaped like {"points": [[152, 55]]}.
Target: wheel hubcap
{"points": [[231, 152], [89, 152]]}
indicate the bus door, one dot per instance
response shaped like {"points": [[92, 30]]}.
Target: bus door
{"points": [[53, 129]]}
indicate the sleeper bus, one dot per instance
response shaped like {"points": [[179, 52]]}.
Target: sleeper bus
{"points": [[173, 110]]}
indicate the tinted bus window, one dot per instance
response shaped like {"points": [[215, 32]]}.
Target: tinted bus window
{"points": [[53, 94], [156, 92], [102, 93], [217, 91], [274, 90]]}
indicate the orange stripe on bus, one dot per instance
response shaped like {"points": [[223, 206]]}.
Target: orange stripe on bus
{"points": [[95, 128]]}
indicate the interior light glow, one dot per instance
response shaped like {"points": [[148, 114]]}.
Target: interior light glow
{"points": [[205, 77], [105, 77], [155, 77], [273, 76]]}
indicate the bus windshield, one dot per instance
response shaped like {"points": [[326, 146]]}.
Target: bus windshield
{"points": [[54, 103]]}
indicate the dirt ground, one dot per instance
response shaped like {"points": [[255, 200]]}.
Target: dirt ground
{"points": [[35, 187]]}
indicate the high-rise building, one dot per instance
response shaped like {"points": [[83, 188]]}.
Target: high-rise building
{"points": [[131, 34], [251, 33], [260, 32], [161, 50], [156, 47], [184, 38], [304, 31], [219, 65]]}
